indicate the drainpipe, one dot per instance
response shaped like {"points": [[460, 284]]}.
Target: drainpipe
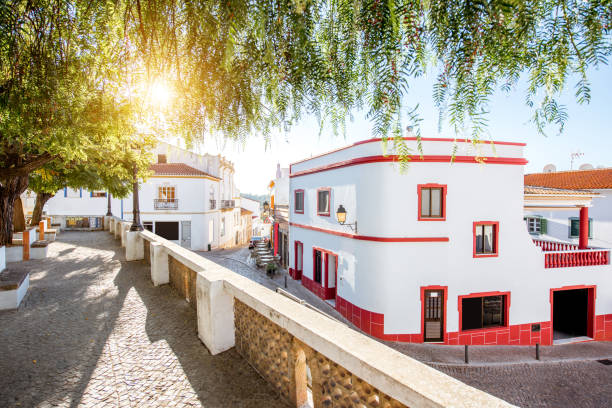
{"points": [[583, 240]]}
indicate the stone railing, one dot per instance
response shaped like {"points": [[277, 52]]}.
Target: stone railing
{"points": [[284, 340]]}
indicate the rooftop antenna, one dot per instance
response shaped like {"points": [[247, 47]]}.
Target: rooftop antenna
{"points": [[575, 155]]}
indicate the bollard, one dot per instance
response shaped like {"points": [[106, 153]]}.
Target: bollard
{"points": [[467, 358], [537, 351], [285, 281]]}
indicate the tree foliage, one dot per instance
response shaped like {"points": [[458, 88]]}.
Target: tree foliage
{"points": [[247, 66]]}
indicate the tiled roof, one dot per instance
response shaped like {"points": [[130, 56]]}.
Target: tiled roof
{"points": [[244, 211], [572, 179], [177, 169], [556, 191]]}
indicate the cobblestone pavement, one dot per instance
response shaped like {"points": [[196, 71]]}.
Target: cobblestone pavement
{"points": [[566, 376], [93, 331]]}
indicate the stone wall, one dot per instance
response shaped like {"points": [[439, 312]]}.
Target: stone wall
{"points": [[183, 280], [283, 360]]}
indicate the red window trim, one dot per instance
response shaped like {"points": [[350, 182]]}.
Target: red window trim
{"points": [[419, 192], [295, 201], [325, 283], [324, 214], [444, 289], [496, 233], [484, 294], [592, 299]]}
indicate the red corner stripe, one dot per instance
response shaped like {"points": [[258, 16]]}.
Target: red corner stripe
{"points": [[369, 238]]}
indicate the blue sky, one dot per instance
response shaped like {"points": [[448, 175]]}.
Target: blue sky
{"points": [[588, 130]]}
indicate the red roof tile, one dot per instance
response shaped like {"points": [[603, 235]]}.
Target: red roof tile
{"points": [[572, 179], [177, 169]]}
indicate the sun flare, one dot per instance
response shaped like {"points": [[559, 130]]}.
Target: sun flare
{"points": [[160, 94]]}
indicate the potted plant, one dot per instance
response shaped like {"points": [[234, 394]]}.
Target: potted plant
{"points": [[271, 268]]}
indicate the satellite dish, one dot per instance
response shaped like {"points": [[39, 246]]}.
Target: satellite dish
{"points": [[586, 166], [550, 168]]}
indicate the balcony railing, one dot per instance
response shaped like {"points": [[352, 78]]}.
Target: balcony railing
{"points": [[165, 203], [228, 203], [213, 204], [555, 246], [567, 255]]}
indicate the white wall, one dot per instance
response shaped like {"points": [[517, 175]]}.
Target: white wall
{"points": [[385, 277], [2, 258]]}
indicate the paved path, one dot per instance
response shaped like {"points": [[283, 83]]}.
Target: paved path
{"points": [[93, 331], [566, 376]]}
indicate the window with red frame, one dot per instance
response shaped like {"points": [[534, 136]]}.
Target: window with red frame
{"points": [[299, 201], [323, 201], [483, 312], [486, 240], [432, 202]]}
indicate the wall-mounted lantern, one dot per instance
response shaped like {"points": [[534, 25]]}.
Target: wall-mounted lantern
{"points": [[341, 216]]}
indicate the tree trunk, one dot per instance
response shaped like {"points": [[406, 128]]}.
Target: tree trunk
{"points": [[10, 189], [41, 200]]}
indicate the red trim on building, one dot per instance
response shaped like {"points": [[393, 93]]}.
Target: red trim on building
{"points": [[370, 238], [592, 295], [295, 201], [413, 158], [432, 185], [423, 139], [522, 334], [495, 235], [275, 237], [327, 213], [444, 289]]}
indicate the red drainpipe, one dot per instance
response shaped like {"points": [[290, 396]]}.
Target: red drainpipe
{"points": [[583, 240]]}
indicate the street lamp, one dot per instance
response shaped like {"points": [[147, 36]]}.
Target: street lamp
{"points": [[136, 224], [108, 210], [341, 217]]}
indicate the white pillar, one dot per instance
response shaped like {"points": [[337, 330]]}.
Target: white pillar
{"points": [[215, 315], [125, 227], [134, 246], [159, 264], [117, 229]]}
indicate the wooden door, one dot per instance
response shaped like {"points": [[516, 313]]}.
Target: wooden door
{"points": [[434, 315]]}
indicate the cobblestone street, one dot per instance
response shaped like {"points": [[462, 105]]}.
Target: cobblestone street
{"points": [[93, 331], [567, 375]]}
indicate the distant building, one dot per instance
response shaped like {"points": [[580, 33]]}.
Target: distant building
{"points": [[556, 224], [440, 253], [280, 206], [190, 199]]}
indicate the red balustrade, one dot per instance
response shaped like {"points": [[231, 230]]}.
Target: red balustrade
{"points": [[576, 258], [555, 246], [567, 255]]}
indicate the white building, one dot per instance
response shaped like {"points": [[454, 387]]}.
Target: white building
{"points": [[279, 200], [254, 207], [440, 253], [190, 199], [564, 225]]}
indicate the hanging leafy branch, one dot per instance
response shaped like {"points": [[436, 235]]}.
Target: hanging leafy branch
{"points": [[248, 66]]}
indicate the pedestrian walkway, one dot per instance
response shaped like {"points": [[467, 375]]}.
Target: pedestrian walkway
{"points": [[93, 331]]}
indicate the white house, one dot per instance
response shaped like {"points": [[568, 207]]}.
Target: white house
{"points": [[190, 199], [564, 225], [279, 199], [254, 207], [440, 253]]}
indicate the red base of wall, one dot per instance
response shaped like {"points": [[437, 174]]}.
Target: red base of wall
{"points": [[516, 335], [295, 274], [317, 289]]}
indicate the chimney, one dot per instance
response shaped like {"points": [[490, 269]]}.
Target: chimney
{"points": [[278, 171]]}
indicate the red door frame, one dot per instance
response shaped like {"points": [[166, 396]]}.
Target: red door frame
{"points": [[444, 290], [591, 296], [330, 293], [298, 272]]}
